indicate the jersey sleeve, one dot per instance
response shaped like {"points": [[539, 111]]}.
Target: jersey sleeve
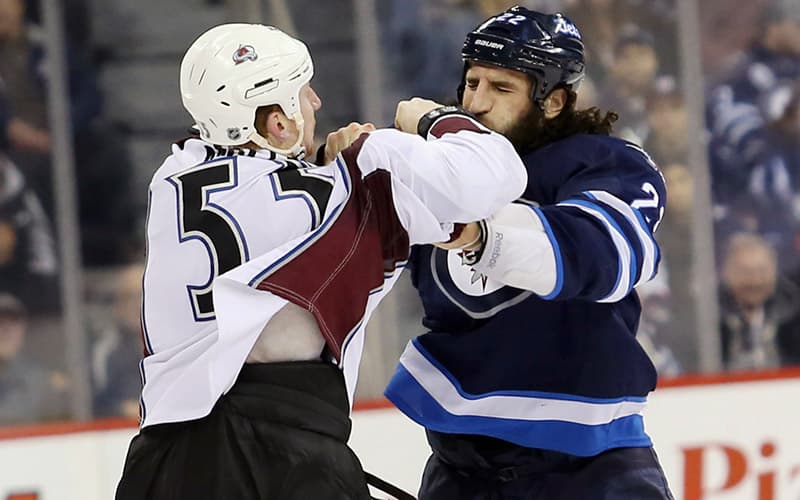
{"points": [[463, 172], [594, 243]]}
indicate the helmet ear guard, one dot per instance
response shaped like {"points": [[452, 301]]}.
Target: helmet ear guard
{"points": [[547, 47]]}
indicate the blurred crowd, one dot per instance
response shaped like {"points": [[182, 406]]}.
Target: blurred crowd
{"points": [[34, 381], [752, 116]]}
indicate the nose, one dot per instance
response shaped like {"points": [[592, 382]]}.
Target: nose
{"points": [[477, 100], [316, 102]]}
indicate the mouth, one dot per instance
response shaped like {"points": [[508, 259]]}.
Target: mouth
{"points": [[483, 120]]}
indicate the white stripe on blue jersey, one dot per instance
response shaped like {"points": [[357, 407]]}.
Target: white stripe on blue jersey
{"points": [[648, 244], [626, 272], [424, 390], [523, 405]]}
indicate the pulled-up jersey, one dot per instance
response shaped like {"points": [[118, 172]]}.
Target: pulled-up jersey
{"points": [[235, 236], [552, 362]]}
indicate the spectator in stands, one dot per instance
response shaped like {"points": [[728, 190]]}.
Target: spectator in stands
{"points": [[28, 264], [25, 127], [117, 352], [106, 209], [655, 326], [668, 143], [673, 236], [752, 148], [21, 66], [726, 36], [775, 183], [760, 191], [631, 79], [600, 22], [28, 392], [667, 122], [424, 39], [77, 22], [749, 98], [759, 312]]}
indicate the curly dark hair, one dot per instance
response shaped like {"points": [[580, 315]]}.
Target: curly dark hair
{"points": [[584, 121], [534, 131]]}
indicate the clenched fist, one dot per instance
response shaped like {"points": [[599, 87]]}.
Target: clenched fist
{"points": [[342, 138], [468, 239], [409, 112]]}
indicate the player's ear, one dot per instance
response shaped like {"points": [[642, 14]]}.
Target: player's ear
{"points": [[271, 122], [554, 103]]}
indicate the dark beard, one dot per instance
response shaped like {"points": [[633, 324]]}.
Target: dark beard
{"points": [[529, 132]]}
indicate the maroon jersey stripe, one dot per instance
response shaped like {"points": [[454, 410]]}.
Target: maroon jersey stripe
{"points": [[334, 276], [454, 123]]}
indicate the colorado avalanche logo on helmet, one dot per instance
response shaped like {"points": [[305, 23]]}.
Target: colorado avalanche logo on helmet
{"points": [[244, 53]]}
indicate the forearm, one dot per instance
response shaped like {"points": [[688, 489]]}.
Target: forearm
{"points": [[463, 173], [518, 251]]}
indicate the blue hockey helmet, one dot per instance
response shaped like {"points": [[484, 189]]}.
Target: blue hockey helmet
{"points": [[547, 47]]}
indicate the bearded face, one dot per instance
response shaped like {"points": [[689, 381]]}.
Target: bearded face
{"points": [[501, 99], [528, 132]]}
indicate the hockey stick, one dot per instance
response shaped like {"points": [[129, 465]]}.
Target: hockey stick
{"points": [[385, 487]]}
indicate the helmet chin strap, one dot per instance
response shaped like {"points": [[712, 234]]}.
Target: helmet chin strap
{"points": [[297, 150]]}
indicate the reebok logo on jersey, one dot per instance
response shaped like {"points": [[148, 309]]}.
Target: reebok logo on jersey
{"points": [[496, 249], [244, 53]]}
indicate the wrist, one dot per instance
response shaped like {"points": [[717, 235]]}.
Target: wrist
{"points": [[428, 119]]}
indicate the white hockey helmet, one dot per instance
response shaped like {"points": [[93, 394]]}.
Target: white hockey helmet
{"points": [[233, 69]]}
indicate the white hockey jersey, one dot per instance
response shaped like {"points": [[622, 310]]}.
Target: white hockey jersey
{"points": [[234, 236]]}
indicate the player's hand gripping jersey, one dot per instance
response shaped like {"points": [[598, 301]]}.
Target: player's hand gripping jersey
{"points": [[560, 367], [233, 238]]}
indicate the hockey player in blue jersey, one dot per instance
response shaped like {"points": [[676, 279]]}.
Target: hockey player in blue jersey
{"points": [[531, 383]]}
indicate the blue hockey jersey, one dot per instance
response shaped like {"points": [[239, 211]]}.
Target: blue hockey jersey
{"points": [[738, 113], [560, 369]]}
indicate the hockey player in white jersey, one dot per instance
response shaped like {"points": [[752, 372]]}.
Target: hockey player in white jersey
{"points": [[262, 269]]}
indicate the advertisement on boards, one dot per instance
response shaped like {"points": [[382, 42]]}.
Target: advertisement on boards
{"points": [[731, 441]]}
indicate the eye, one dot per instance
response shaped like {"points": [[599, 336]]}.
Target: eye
{"points": [[472, 84]]}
